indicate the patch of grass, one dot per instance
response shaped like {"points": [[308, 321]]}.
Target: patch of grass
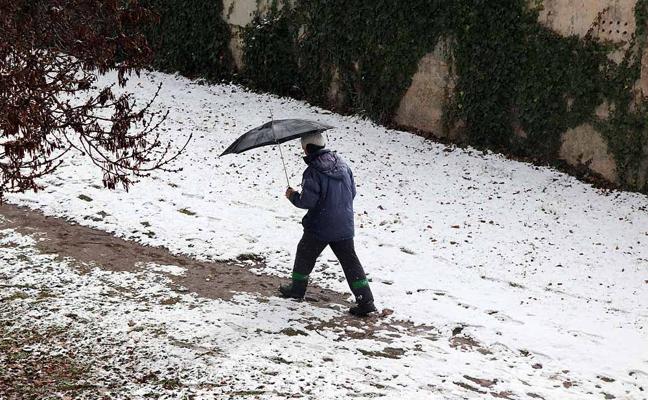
{"points": [[250, 257], [170, 383], [280, 360], [15, 296], [387, 352], [247, 393], [45, 293], [170, 301], [293, 332], [26, 374]]}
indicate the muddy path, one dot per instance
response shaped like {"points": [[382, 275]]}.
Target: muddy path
{"points": [[214, 280]]}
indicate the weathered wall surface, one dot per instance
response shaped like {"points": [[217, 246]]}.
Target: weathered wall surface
{"points": [[604, 20], [423, 105], [583, 145], [239, 13], [578, 17]]}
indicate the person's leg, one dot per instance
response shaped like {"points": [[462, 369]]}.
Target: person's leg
{"points": [[308, 249], [345, 252]]}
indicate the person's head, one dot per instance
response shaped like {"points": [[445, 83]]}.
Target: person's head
{"points": [[312, 143]]}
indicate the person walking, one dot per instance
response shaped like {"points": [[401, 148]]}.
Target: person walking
{"points": [[328, 190]]}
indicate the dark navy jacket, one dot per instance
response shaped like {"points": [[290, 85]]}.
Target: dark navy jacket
{"points": [[327, 193]]}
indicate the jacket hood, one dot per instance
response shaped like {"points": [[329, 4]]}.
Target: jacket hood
{"points": [[328, 163]]}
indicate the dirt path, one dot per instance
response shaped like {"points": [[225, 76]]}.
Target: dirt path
{"points": [[212, 280], [91, 246]]}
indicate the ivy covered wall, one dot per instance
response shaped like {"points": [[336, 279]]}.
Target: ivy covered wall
{"points": [[191, 38], [518, 86]]}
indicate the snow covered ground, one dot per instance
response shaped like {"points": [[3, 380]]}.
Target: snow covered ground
{"points": [[147, 333], [545, 272]]}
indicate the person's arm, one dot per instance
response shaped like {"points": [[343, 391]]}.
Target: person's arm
{"points": [[310, 193]]}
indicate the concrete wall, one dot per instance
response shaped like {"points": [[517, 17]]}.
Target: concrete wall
{"points": [[578, 17], [603, 20], [423, 104], [239, 13], [432, 86]]}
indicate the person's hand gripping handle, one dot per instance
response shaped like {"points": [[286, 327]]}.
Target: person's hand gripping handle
{"points": [[289, 192]]}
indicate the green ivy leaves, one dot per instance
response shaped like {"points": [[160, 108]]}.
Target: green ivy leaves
{"points": [[519, 84], [191, 38]]}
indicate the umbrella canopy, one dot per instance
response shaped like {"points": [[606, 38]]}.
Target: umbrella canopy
{"points": [[275, 132]]}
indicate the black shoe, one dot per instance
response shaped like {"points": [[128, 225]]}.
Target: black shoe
{"points": [[363, 309], [297, 290], [364, 300]]}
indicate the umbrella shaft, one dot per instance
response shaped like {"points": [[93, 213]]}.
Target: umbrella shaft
{"points": [[284, 164]]}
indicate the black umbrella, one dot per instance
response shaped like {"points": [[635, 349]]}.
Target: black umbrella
{"points": [[275, 132]]}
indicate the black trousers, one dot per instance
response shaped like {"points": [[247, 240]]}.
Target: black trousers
{"points": [[309, 248]]}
